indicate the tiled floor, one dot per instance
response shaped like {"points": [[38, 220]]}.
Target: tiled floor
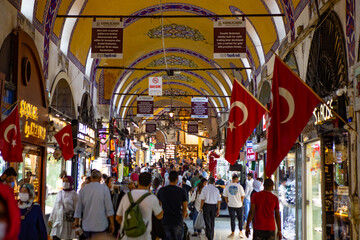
{"points": [[222, 230]]}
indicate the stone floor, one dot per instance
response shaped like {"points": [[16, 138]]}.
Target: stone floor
{"points": [[222, 230]]}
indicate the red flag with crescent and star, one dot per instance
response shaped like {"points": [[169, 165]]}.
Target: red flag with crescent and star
{"points": [[10, 137], [291, 107], [245, 113], [65, 141]]}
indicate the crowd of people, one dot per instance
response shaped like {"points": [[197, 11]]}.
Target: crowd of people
{"points": [[153, 205]]}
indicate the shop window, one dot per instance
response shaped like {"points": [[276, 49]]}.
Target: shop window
{"points": [[313, 191], [287, 195]]}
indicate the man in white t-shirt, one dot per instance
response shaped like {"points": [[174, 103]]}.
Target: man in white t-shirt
{"points": [[148, 206], [234, 196]]}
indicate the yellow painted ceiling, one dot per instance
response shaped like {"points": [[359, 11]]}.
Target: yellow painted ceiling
{"points": [[138, 43]]}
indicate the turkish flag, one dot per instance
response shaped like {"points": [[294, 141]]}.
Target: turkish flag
{"points": [[245, 113], [65, 141], [291, 107], [10, 137]]}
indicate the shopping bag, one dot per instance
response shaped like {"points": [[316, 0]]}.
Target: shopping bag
{"points": [[199, 222]]}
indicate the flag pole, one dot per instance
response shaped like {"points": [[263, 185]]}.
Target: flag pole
{"points": [[9, 107], [316, 95], [252, 95]]}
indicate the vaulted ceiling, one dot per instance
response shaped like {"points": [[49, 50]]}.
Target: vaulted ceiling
{"points": [[188, 43]]}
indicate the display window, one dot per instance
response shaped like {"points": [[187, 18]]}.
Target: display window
{"points": [[287, 195], [313, 191], [53, 181], [337, 187], [29, 170]]}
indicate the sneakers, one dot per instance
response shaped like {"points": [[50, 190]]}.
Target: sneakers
{"points": [[241, 234], [195, 234]]}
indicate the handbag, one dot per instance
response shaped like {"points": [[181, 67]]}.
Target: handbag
{"points": [[191, 205], [69, 215]]}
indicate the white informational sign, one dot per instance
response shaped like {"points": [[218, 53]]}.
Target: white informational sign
{"points": [[199, 107], [155, 86], [229, 39], [250, 155], [107, 39]]}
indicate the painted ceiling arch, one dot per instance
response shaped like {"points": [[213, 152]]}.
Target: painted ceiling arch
{"points": [[191, 43]]}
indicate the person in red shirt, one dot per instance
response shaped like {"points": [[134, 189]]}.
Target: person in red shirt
{"points": [[265, 205]]}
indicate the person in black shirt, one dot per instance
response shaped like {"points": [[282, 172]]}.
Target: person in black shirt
{"points": [[174, 204], [186, 187]]}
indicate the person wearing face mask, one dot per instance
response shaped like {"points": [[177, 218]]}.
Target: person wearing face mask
{"points": [[61, 218], [32, 219], [9, 177], [9, 223]]}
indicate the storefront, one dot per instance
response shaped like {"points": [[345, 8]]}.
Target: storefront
{"points": [[84, 143], [33, 113]]}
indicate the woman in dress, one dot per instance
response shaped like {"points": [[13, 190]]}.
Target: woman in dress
{"points": [[32, 219], [60, 219]]}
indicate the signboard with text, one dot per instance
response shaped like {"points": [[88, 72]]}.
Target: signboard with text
{"points": [[150, 127], [199, 107], [107, 39], [193, 127], [229, 39], [250, 155], [145, 107], [155, 86]]}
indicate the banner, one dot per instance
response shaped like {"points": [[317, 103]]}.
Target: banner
{"points": [[199, 107], [155, 86], [107, 39], [250, 155], [145, 107], [229, 39], [193, 127]]}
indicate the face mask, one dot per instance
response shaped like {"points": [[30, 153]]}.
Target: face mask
{"points": [[66, 185], [24, 197], [3, 228]]}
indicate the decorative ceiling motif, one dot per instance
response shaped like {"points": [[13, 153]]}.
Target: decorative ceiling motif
{"points": [[176, 31], [178, 77], [174, 92], [173, 60]]}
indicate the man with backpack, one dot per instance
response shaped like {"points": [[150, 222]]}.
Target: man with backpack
{"points": [[174, 203], [135, 210]]}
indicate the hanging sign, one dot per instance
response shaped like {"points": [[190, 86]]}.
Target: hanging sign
{"points": [[107, 39], [229, 39], [150, 127], [250, 155], [193, 127], [199, 107], [145, 107], [155, 86]]}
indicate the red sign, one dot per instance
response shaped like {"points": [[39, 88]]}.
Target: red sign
{"points": [[250, 155], [229, 39], [107, 39]]}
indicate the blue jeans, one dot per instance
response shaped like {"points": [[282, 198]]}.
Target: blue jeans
{"points": [[246, 208], [196, 213], [174, 232]]}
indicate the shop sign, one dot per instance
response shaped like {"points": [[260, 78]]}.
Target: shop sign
{"points": [[324, 113], [155, 86], [145, 107], [31, 124], [122, 152], [229, 39], [193, 127], [343, 190], [86, 133], [159, 145], [199, 107], [250, 155], [107, 39]]}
